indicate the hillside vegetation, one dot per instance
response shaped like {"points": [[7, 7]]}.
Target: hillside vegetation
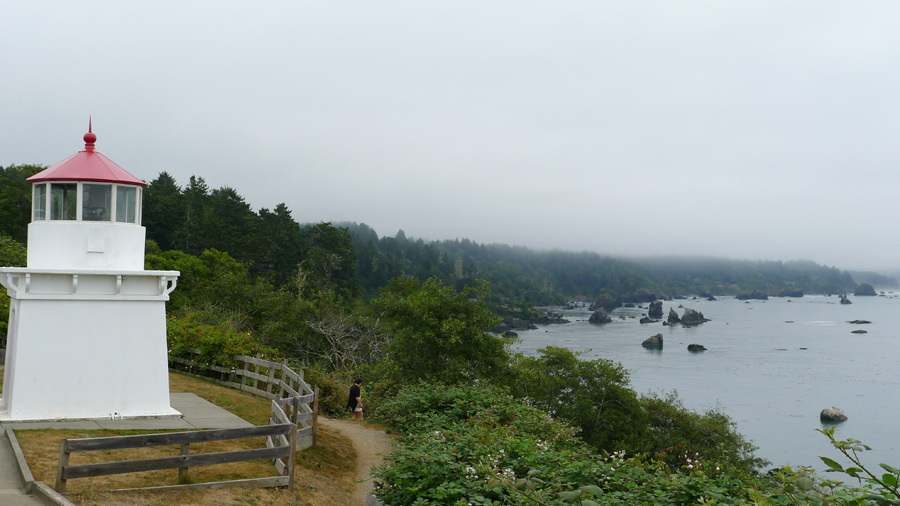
{"points": [[414, 319]]}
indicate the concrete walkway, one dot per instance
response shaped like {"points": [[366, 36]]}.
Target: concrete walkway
{"points": [[11, 491], [198, 414]]}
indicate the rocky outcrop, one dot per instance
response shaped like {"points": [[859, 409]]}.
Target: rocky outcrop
{"points": [[550, 318], [673, 317], [610, 302], [692, 317], [832, 415], [859, 332], [513, 324], [600, 316], [845, 300], [648, 320], [696, 347], [755, 294], [791, 292], [859, 322], [653, 342], [655, 310], [865, 290]]}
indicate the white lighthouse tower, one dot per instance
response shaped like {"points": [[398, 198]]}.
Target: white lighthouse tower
{"points": [[87, 323]]}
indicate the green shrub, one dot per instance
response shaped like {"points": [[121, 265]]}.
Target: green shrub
{"points": [[466, 445], [668, 428], [217, 343], [334, 389]]}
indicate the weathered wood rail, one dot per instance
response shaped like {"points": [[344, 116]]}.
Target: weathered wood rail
{"points": [[272, 380], [281, 445]]}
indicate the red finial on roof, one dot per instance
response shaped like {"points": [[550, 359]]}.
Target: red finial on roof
{"points": [[90, 137]]}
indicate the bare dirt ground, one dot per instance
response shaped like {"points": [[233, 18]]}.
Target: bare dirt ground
{"points": [[371, 445]]}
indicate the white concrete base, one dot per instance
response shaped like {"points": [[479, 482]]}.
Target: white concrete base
{"points": [[86, 345]]}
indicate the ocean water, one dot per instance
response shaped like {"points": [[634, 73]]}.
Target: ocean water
{"points": [[771, 366]]}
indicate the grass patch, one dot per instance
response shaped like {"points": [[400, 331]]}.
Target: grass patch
{"points": [[324, 475], [255, 410]]}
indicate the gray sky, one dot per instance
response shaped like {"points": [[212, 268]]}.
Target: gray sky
{"points": [[744, 129]]}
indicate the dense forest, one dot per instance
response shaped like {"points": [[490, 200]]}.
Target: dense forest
{"points": [[357, 261], [352, 260], [415, 318]]}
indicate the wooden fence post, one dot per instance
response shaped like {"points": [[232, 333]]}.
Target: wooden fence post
{"points": [[271, 379], [315, 420], [244, 376], [183, 471], [292, 457], [63, 462]]}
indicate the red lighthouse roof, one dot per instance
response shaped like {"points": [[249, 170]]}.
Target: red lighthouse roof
{"points": [[87, 165]]}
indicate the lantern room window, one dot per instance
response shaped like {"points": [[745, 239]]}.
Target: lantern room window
{"points": [[63, 201], [39, 202], [95, 202], [126, 204]]}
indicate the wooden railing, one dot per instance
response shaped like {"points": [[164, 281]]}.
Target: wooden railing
{"points": [[298, 402], [281, 443]]}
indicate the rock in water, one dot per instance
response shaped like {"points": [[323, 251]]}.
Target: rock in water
{"points": [[692, 317], [673, 316], [832, 414], [655, 310], [648, 320], [600, 316], [653, 342], [696, 347]]}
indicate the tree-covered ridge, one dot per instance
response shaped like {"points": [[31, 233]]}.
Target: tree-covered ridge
{"points": [[520, 276], [351, 259]]}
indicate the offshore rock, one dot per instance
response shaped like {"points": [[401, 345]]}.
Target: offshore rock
{"points": [[655, 310], [653, 342], [696, 347], [833, 415], [692, 317], [673, 316], [648, 320], [600, 316]]}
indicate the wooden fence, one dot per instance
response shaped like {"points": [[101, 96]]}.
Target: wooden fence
{"points": [[273, 380], [281, 443], [292, 427]]}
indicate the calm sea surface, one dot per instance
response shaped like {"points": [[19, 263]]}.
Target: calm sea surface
{"points": [[772, 366]]}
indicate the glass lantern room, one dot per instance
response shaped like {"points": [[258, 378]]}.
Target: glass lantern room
{"points": [[87, 201]]}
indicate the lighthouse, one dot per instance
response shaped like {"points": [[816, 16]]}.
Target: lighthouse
{"points": [[87, 323]]}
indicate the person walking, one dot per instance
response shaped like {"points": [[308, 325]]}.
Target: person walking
{"points": [[354, 403]]}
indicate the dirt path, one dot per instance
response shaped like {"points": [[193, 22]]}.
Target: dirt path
{"points": [[370, 444]]}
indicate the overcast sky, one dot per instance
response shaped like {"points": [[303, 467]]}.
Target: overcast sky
{"points": [[741, 129]]}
